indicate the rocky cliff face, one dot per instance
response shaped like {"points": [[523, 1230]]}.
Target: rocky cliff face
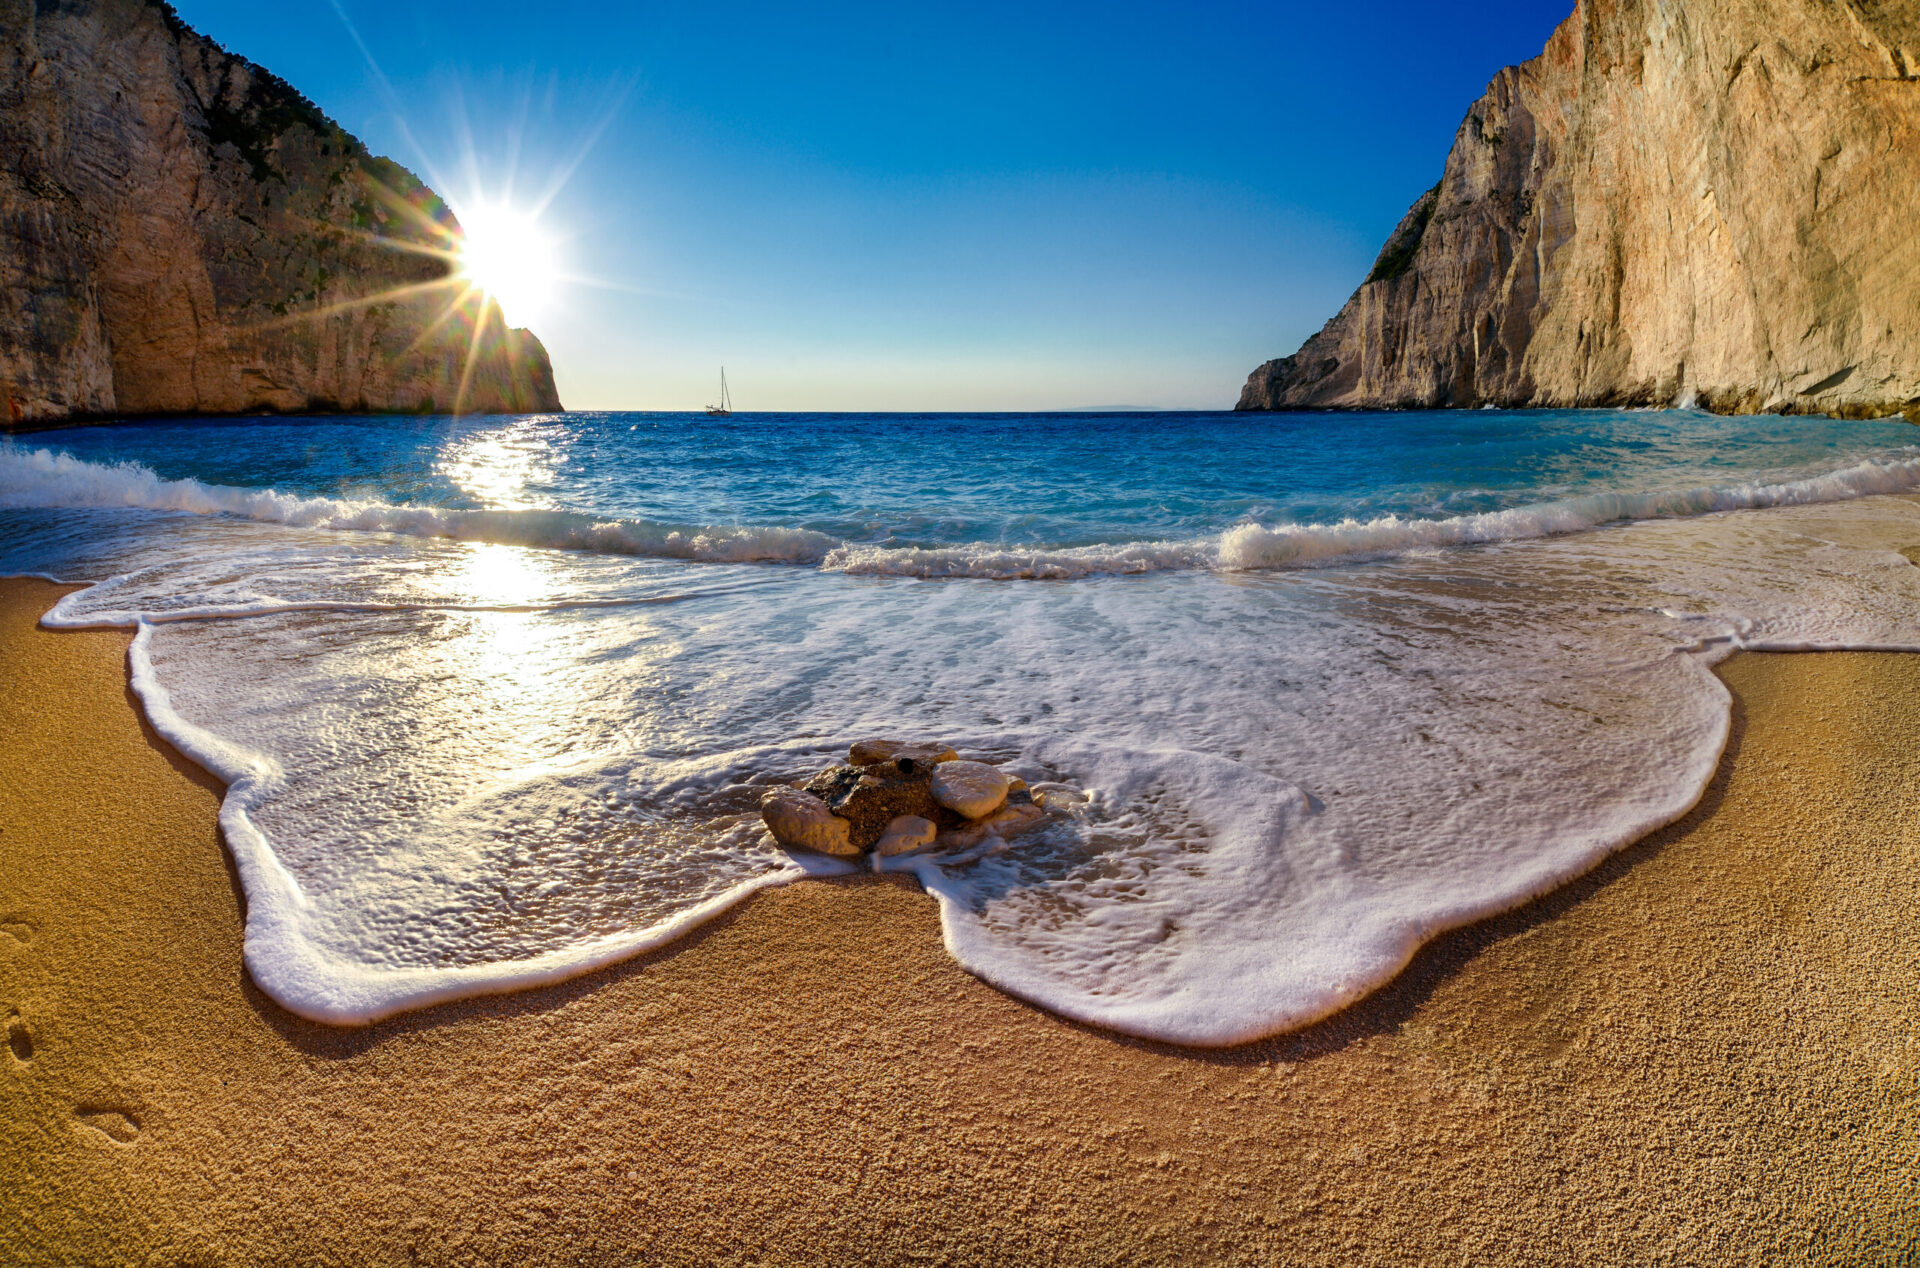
{"points": [[1679, 201], [182, 232]]}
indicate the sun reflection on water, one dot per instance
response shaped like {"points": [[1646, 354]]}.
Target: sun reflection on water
{"points": [[507, 680], [508, 468], [508, 662], [495, 575]]}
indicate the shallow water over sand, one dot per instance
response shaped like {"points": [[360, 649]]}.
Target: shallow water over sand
{"points": [[497, 698]]}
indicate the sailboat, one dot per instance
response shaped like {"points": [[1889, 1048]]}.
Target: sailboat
{"points": [[725, 406]]}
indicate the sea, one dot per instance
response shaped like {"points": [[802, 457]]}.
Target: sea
{"points": [[495, 698]]}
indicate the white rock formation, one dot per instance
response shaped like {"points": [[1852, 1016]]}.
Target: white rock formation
{"points": [[1679, 201]]}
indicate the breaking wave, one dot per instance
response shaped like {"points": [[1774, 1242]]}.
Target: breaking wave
{"points": [[40, 478], [1254, 546]]}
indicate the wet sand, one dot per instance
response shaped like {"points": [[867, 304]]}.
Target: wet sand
{"points": [[1708, 1051]]}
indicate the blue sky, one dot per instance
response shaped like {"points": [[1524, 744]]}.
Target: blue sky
{"points": [[915, 206]]}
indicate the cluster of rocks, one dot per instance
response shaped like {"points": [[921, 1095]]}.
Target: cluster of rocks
{"points": [[893, 797]]}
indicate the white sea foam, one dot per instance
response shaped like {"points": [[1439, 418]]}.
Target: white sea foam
{"points": [[40, 478], [83, 609], [1297, 774], [295, 953], [1001, 563], [1253, 546]]}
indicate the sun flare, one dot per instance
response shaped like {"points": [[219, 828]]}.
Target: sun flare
{"points": [[505, 254]]}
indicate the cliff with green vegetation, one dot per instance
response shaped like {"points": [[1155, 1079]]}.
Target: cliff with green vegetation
{"points": [[182, 232], [1707, 202]]}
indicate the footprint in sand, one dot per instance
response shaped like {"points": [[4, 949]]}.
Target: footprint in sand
{"points": [[17, 929], [19, 1038], [116, 1125]]}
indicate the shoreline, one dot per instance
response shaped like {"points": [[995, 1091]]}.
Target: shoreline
{"points": [[1702, 1049]]}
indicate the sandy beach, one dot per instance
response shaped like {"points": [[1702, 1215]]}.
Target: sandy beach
{"points": [[1704, 1052]]}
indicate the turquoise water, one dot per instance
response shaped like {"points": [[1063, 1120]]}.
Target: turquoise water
{"points": [[496, 698], [1000, 480]]}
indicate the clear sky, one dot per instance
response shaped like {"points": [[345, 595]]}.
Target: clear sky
{"points": [[914, 205]]}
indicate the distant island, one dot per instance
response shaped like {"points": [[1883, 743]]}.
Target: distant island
{"points": [[184, 233], [1708, 204]]}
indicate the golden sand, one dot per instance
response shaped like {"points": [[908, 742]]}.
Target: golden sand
{"points": [[1704, 1052]]}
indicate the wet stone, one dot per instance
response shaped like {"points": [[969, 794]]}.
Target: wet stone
{"points": [[870, 752], [872, 796], [1010, 821], [973, 789], [1059, 798], [1014, 819], [905, 835], [801, 820]]}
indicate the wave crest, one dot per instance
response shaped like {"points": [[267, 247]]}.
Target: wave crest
{"points": [[1013, 563], [40, 478], [1249, 547], [43, 479]]}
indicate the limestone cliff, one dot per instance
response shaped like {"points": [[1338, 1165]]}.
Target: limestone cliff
{"points": [[1711, 201], [182, 232]]}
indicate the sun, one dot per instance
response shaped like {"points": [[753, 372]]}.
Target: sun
{"points": [[505, 255]]}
